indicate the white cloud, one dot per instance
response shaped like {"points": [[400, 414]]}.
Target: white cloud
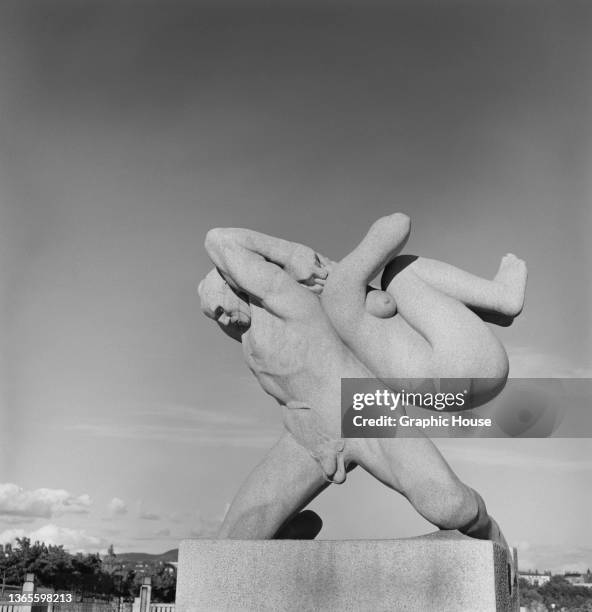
{"points": [[40, 503], [186, 424], [73, 540], [117, 507], [146, 515]]}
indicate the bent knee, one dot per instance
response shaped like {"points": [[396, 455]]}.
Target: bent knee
{"points": [[448, 505], [458, 510]]}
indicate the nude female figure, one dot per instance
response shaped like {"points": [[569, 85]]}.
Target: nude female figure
{"points": [[421, 323]]}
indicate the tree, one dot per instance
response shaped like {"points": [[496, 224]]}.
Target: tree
{"points": [[529, 596], [562, 593], [56, 568], [110, 563]]}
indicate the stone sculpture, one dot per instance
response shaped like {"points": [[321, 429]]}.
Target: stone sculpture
{"points": [[305, 322]]}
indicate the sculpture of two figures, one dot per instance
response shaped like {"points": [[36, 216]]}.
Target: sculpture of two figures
{"points": [[306, 322]]}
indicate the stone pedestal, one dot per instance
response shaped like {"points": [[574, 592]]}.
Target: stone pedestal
{"points": [[439, 572]]}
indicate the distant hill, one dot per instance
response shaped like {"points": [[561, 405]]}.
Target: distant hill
{"points": [[136, 557]]}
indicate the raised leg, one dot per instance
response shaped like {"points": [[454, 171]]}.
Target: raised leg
{"points": [[285, 481], [433, 336], [462, 346], [503, 295]]}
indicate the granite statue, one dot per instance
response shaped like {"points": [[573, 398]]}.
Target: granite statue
{"points": [[304, 322]]}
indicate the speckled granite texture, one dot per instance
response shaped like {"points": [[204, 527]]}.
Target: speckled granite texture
{"points": [[439, 572]]}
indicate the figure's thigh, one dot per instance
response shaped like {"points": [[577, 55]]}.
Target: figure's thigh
{"points": [[402, 463], [283, 483], [415, 468]]}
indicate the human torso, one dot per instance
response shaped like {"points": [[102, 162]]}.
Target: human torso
{"points": [[301, 360]]}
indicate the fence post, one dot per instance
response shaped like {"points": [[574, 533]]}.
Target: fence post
{"points": [[28, 587], [145, 592]]}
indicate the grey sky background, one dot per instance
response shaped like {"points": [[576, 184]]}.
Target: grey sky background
{"points": [[128, 129]]}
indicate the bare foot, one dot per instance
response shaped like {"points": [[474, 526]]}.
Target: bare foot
{"points": [[511, 275]]}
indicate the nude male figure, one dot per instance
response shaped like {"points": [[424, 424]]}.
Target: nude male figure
{"points": [[299, 348]]}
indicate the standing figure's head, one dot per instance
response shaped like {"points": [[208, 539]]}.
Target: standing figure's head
{"points": [[220, 302]]}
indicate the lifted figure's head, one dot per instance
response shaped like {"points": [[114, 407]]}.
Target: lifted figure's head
{"points": [[220, 302]]}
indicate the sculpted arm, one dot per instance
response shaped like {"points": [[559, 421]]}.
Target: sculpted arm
{"points": [[256, 263]]}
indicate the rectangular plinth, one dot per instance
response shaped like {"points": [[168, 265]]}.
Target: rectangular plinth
{"points": [[439, 572]]}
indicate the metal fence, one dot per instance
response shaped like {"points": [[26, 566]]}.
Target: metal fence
{"points": [[90, 606], [141, 603], [77, 607]]}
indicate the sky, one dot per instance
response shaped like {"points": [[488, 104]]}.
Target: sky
{"points": [[130, 129]]}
